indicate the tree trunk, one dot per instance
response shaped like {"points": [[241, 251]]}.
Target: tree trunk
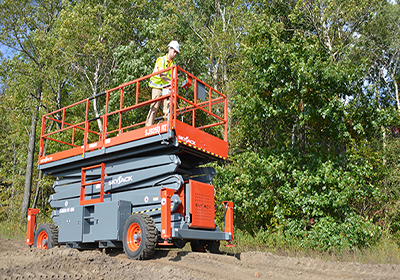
{"points": [[40, 175], [31, 155], [13, 171], [35, 199], [377, 87], [396, 90], [29, 164]]}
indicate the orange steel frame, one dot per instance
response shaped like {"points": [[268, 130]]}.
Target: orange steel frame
{"points": [[191, 107], [30, 229], [100, 199], [166, 195]]}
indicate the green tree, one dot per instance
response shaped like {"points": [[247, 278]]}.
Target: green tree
{"points": [[219, 25], [293, 121], [24, 26], [381, 47], [15, 107], [88, 33]]}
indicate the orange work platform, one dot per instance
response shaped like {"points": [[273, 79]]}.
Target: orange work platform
{"points": [[198, 119]]}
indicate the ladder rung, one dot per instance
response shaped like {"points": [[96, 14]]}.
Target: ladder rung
{"points": [[84, 184]]}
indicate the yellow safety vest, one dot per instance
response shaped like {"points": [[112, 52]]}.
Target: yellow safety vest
{"points": [[156, 81]]}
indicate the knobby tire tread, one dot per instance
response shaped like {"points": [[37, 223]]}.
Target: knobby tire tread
{"points": [[151, 233], [149, 230], [52, 233]]}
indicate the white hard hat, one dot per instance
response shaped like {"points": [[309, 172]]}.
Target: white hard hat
{"points": [[174, 45]]}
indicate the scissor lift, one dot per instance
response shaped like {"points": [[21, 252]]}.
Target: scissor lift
{"points": [[133, 186]]}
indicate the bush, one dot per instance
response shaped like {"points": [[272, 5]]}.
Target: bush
{"points": [[314, 206]]}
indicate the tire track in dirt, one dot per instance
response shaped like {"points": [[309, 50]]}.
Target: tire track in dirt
{"points": [[18, 261]]}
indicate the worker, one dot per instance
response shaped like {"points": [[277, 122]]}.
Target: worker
{"points": [[157, 82]]}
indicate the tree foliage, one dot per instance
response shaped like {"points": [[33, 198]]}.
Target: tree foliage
{"points": [[313, 101]]}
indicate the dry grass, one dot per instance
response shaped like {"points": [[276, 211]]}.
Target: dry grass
{"points": [[385, 252], [13, 230]]}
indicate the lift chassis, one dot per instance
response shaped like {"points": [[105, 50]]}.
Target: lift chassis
{"points": [[131, 186]]}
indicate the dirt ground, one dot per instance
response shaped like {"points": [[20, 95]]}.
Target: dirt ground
{"points": [[18, 261]]}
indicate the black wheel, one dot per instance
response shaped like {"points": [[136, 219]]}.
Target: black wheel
{"points": [[46, 236], [140, 237], [179, 243], [213, 246], [198, 245]]}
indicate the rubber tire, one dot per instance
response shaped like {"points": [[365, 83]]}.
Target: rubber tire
{"points": [[198, 246], [213, 246], [179, 243], [148, 242], [49, 232]]}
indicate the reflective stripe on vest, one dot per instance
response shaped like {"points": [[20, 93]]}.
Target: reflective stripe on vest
{"points": [[156, 81]]}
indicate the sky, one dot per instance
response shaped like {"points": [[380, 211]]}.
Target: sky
{"points": [[6, 52]]}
